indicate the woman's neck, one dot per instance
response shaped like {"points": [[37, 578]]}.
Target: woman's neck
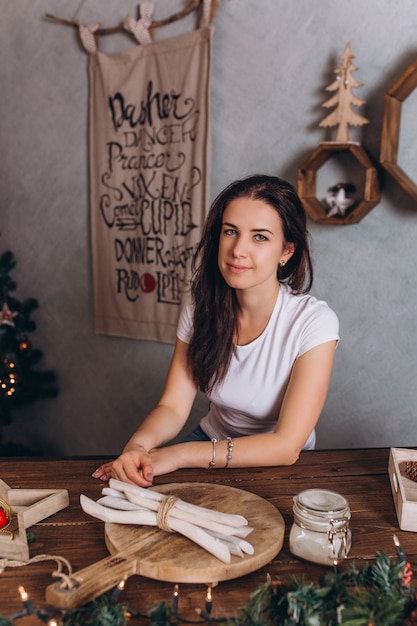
{"points": [[258, 301], [255, 310]]}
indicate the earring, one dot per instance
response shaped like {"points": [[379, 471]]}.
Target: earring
{"points": [[282, 263]]}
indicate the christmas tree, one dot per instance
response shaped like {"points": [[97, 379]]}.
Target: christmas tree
{"points": [[344, 116], [20, 382]]}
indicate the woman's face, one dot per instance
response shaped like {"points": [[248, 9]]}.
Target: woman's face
{"points": [[251, 244]]}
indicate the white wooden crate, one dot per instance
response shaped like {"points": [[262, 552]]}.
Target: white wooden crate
{"points": [[404, 490]]}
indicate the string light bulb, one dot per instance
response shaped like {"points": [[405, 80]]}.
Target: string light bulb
{"points": [[174, 604], [209, 600], [23, 594], [399, 549], [116, 593]]}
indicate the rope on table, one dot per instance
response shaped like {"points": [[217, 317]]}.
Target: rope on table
{"points": [[67, 580]]}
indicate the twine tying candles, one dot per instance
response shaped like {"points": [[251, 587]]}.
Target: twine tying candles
{"points": [[162, 514]]}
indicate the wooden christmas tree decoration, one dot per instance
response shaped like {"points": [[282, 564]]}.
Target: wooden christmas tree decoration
{"points": [[343, 115], [23, 508]]}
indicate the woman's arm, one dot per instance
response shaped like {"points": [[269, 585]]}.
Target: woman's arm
{"points": [[301, 409], [304, 399], [162, 424]]}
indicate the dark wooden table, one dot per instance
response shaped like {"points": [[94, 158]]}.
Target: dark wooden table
{"points": [[360, 475]]}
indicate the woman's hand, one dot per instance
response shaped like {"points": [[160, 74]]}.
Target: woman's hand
{"points": [[132, 466], [166, 460], [139, 467], [104, 471]]}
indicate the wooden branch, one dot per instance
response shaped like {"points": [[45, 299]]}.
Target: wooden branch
{"points": [[214, 7], [177, 16], [157, 24]]}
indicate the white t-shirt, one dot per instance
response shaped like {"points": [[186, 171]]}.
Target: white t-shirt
{"points": [[249, 399]]}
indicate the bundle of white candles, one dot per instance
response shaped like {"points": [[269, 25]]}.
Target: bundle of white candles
{"points": [[221, 534]]}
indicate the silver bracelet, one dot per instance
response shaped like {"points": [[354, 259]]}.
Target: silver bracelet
{"points": [[229, 451], [213, 458]]}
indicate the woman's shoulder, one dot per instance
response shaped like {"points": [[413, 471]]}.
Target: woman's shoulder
{"points": [[309, 321], [307, 311], [303, 302]]}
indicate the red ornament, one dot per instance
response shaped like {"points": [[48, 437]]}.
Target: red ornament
{"points": [[407, 575], [4, 519]]}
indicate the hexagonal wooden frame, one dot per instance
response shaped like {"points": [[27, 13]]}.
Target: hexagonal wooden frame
{"points": [[390, 136], [307, 177]]}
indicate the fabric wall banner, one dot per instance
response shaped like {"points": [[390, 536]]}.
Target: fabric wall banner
{"points": [[149, 171]]}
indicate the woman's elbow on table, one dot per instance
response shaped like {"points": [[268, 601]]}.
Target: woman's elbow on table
{"points": [[282, 452], [289, 457], [284, 459]]}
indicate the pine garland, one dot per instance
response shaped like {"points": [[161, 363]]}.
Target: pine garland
{"points": [[377, 595]]}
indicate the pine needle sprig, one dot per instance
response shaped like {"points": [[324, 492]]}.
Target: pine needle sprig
{"points": [[372, 607], [101, 611], [160, 615], [385, 574], [254, 612]]}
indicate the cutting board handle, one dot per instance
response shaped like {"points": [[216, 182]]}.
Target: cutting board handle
{"points": [[92, 581]]}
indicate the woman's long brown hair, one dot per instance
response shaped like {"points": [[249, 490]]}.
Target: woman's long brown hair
{"points": [[216, 307]]}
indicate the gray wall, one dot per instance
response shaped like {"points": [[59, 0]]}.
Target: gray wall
{"points": [[272, 60]]}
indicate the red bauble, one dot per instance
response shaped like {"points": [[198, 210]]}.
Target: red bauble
{"points": [[4, 519]]}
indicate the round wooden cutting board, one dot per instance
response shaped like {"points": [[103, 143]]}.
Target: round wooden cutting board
{"points": [[171, 557]]}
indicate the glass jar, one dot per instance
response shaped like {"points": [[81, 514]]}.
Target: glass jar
{"points": [[320, 532]]}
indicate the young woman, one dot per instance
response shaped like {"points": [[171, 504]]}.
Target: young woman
{"points": [[249, 337]]}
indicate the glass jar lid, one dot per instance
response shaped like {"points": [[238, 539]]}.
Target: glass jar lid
{"points": [[321, 508], [323, 502]]}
